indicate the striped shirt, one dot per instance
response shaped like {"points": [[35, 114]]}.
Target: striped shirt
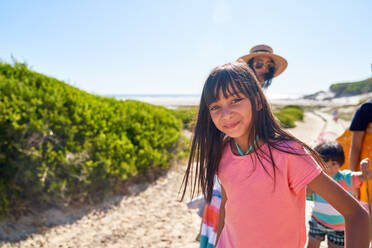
{"points": [[324, 212]]}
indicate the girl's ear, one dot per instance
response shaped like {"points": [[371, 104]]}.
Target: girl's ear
{"points": [[258, 103]]}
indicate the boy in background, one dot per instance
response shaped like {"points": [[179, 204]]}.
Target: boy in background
{"points": [[325, 220]]}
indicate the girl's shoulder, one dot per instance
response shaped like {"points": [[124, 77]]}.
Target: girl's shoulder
{"points": [[290, 152], [294, 158], [287, 146]]}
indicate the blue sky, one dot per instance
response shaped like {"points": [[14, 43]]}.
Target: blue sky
{"points": [[169, 47]]}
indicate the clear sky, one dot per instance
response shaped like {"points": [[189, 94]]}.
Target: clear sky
{"points": [[169, 47]]}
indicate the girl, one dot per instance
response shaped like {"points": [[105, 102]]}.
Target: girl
{"points": [[266, 65], [263, 169]]}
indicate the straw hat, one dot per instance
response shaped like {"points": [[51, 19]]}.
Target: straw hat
{"points": [[259, 50]]}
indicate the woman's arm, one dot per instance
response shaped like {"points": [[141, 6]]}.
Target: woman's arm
{"points": [[221, 215], [356, 148], [356, 218]]}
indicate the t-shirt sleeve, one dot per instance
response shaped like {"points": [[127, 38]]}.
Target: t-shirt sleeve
{"points": [[301, 170], [362, 117]]}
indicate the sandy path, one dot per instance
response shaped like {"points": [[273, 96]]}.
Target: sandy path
{"points": [[152, 218], [316, 123]]}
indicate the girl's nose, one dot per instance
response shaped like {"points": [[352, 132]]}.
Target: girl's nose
{"points": [[226, 113]]}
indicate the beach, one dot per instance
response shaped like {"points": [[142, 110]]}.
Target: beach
{"points": [[98, 100], [151, 216]]}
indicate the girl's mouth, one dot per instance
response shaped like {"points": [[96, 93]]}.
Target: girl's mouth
{"points": [[231, 125]]}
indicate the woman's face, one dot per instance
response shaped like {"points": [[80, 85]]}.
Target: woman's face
{"points": [[261, 65]]}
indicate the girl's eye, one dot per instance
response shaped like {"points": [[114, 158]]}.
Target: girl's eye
{"points": [[213, 108], [236, 100]]}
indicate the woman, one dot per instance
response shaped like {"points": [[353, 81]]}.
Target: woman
{"points": [[361, 127], [358, 140], [264, 63]]}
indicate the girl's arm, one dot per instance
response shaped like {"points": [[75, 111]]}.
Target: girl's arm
{"points": [[356, 218], [221, 215]]}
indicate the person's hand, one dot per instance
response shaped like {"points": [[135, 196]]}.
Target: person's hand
{"points": [[364, 166]]}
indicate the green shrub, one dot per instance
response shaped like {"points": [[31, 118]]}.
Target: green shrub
{"points": [[187, 115], [286, 120], [289, 114], [59, 143], [295, 111]]}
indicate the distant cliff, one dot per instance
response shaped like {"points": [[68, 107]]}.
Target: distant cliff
{"points": [[351, 88], [343, 90]]}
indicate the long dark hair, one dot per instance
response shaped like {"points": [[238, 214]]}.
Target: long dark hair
{"points": [[208, 142], [268, 75]]}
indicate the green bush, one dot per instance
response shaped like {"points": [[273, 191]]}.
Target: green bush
{"points": [[187, 115], [59, 144], [289, 114], [295, 111]]}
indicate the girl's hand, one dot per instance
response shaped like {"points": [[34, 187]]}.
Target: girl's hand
{"points": [[364, 166]]}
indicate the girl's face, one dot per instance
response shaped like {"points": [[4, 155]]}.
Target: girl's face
{"points": [[333, 168], [261, 66], [232, 115]]}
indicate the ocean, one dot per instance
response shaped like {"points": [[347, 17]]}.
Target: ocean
{"points": [[174, 100], [164, 100]]}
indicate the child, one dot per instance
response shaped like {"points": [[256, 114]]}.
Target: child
{"points": [[266, 65], [325, 220], [263, 170]]}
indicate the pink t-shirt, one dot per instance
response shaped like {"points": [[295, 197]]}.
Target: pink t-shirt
{"points": [[259, 213]]}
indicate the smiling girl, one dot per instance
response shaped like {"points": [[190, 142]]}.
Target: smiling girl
{"points": [[262, 168]]}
